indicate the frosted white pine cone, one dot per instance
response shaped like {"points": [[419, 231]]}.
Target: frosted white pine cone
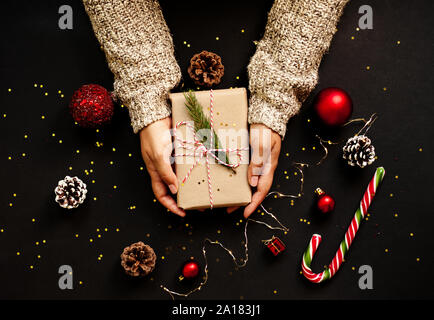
{"points": [[359, 151], [70, 192]]}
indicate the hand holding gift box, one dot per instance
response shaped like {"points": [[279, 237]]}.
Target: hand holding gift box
{"points": [[211, 150]]}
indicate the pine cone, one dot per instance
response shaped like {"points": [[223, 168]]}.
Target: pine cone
{"points": [[206, 68], [70, 192], [138, 259], [359, 151]]}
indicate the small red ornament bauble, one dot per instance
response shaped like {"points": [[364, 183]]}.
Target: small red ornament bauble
{"points": [[325, 202], [190, 270], [91, 106], [333, 106]]}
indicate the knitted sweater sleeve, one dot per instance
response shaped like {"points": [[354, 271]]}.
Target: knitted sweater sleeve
{"points": [[140, 53], [284, 69]]}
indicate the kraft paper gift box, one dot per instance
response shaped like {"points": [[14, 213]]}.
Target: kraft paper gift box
{"points": [[230, 124]]}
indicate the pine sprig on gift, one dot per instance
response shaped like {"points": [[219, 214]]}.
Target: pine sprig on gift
{"points": [[201, 121]]}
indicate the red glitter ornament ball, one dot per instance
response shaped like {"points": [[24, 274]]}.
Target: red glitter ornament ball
{"points": [[190, 270], [333, 106], [325, 203], [91, 106]]}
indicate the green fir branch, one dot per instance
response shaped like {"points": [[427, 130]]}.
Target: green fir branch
{"points": [[201, 121]]}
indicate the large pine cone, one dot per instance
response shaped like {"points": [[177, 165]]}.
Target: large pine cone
{"points": [[206, 69], [359, 151], [138, 259], [70, 192]]}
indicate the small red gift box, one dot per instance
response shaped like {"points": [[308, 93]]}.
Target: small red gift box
{"points": [[275, 245]]}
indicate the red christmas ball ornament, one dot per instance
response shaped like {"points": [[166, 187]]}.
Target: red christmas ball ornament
{"points": [[333, 106], [190, 270], [91, 106], [325, 203]]}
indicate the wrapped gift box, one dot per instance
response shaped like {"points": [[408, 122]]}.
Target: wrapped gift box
{"points": [[230, 124]]}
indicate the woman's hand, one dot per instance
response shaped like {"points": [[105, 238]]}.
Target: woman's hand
{"points": [[156, 146], [265, 144]]}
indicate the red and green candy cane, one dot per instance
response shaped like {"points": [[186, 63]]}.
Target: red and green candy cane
{"points": [[333, 267]]}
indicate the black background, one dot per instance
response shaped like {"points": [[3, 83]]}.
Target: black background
{"points": [[35, 51]]}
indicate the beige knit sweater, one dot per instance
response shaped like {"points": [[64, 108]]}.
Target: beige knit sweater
{"points": [[282, 72]]}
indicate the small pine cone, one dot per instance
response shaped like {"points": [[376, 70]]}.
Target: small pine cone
{"points": [[206, 69], [359, 151], [70, 192], [138, 259]]}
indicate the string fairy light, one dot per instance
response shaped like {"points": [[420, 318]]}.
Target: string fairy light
{"points": [[297, 165], [281, 227], [366, 127]]}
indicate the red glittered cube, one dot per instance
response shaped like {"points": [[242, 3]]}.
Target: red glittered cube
{"points": [[275, 245]]}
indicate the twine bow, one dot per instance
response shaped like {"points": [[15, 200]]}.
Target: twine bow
{"points": [[199, 150]]}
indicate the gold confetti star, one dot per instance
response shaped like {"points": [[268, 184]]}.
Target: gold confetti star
{"points": [[217, 38], [368, 68], [42, 117]]}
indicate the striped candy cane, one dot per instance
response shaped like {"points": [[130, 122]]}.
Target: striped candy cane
{"points": [[349, 235]]}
